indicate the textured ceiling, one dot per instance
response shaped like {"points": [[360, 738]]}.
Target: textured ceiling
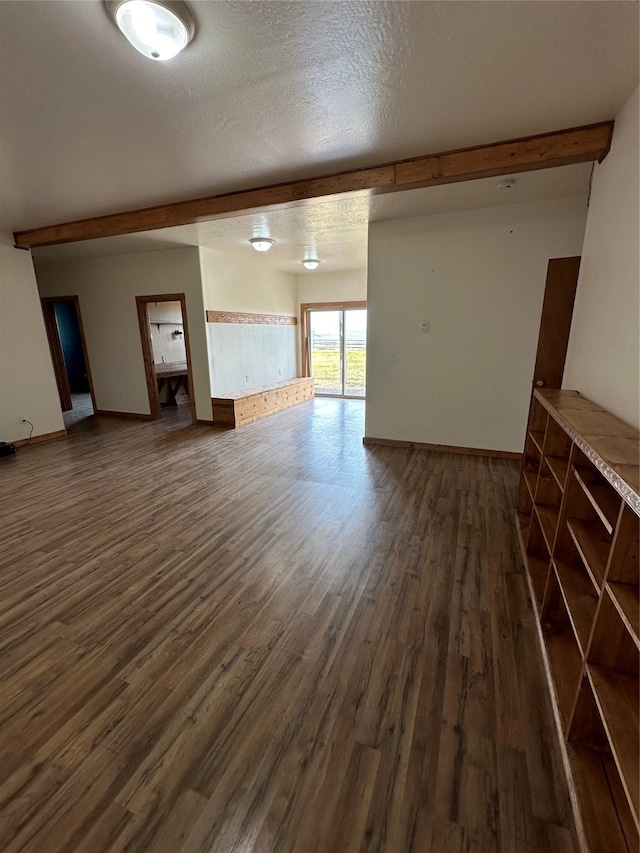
{"points": [[334, 231], [270, 91]]}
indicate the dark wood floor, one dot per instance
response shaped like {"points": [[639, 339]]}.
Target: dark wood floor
{"points": [[270, 639]]}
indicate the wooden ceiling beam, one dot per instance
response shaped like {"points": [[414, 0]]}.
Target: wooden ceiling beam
{"points": [[560, 148]]}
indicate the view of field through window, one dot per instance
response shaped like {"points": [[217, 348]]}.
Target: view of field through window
{"points": [[338, 340]]}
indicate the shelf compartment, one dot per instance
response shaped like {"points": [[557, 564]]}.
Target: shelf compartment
{"points": [[559, 467], [608, 820], [532, 455], [613, 667], [556, 451], [539, 573], [531, 479], [602, 802], [616, 696], [580, 599], [529, 476], [602, 497], [538, 416], [627, 602], [548, 517], [538, 560], [565, 659], [624, 565], [612, 644], [592, 547], [537, 437], [547, 503]]}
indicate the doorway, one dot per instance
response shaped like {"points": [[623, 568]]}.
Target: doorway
{"points": [[334, 348], [65, 333], [164, 333]]}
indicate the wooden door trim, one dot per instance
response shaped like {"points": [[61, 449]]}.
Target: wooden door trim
{"points": [[48, 312], [555, 322], [57, 356], [305, 307], [147, 350], [76, 302]]}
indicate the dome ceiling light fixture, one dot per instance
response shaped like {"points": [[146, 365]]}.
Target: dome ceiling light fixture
{"points": [[158, 29], [310, 263], [262, 244]]}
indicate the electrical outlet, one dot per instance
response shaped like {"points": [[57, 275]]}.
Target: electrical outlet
{"points": [[246, 378]]}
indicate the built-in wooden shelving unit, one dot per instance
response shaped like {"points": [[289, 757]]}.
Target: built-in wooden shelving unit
{"points": [[578, 521]]}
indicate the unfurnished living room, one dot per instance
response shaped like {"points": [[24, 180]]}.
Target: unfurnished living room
{"points": [[319, 412]]}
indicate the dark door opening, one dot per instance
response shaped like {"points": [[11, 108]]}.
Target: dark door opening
{"points": [[63, 323]]}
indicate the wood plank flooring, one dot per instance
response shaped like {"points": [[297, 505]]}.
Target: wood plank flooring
{"points": [[269, 639]]}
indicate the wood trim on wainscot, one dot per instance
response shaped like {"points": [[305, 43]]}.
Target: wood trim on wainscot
{"points": [[542, 151], [46, 436], [251, 319], [441, 448]]}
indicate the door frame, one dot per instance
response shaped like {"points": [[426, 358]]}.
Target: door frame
{"points": [[305, 307], [55, 346], [147, 350]]}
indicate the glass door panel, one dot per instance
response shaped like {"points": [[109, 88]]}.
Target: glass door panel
{"points": [[337, 339], [325, 338], [355, 351]]}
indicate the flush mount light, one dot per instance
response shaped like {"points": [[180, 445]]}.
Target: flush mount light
{"points": [[261, 244], [158, 30], [310, 263]]}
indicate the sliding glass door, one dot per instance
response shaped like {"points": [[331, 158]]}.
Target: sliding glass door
{"points": [[337, 340], [355, 351]]}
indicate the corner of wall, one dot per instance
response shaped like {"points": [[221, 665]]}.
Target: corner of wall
{"points": [[27, 381], [603, 358]]}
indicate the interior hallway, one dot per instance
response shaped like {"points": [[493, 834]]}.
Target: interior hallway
{"points": [[81, 411], [270, 639]]}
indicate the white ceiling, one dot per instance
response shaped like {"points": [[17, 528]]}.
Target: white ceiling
{"points": [[334, 231], [271, 91]]}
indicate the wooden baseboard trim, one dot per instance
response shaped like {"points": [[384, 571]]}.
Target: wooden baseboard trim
{"points": [[441, 448], [138, 416], [36, 439], [204, 422]]}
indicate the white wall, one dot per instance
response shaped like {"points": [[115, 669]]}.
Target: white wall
{"points": [[603, 355], [348, 286], [237, 284], [107, 288], [165, 318], [478, 277], [247, 355], [27, 382]]}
